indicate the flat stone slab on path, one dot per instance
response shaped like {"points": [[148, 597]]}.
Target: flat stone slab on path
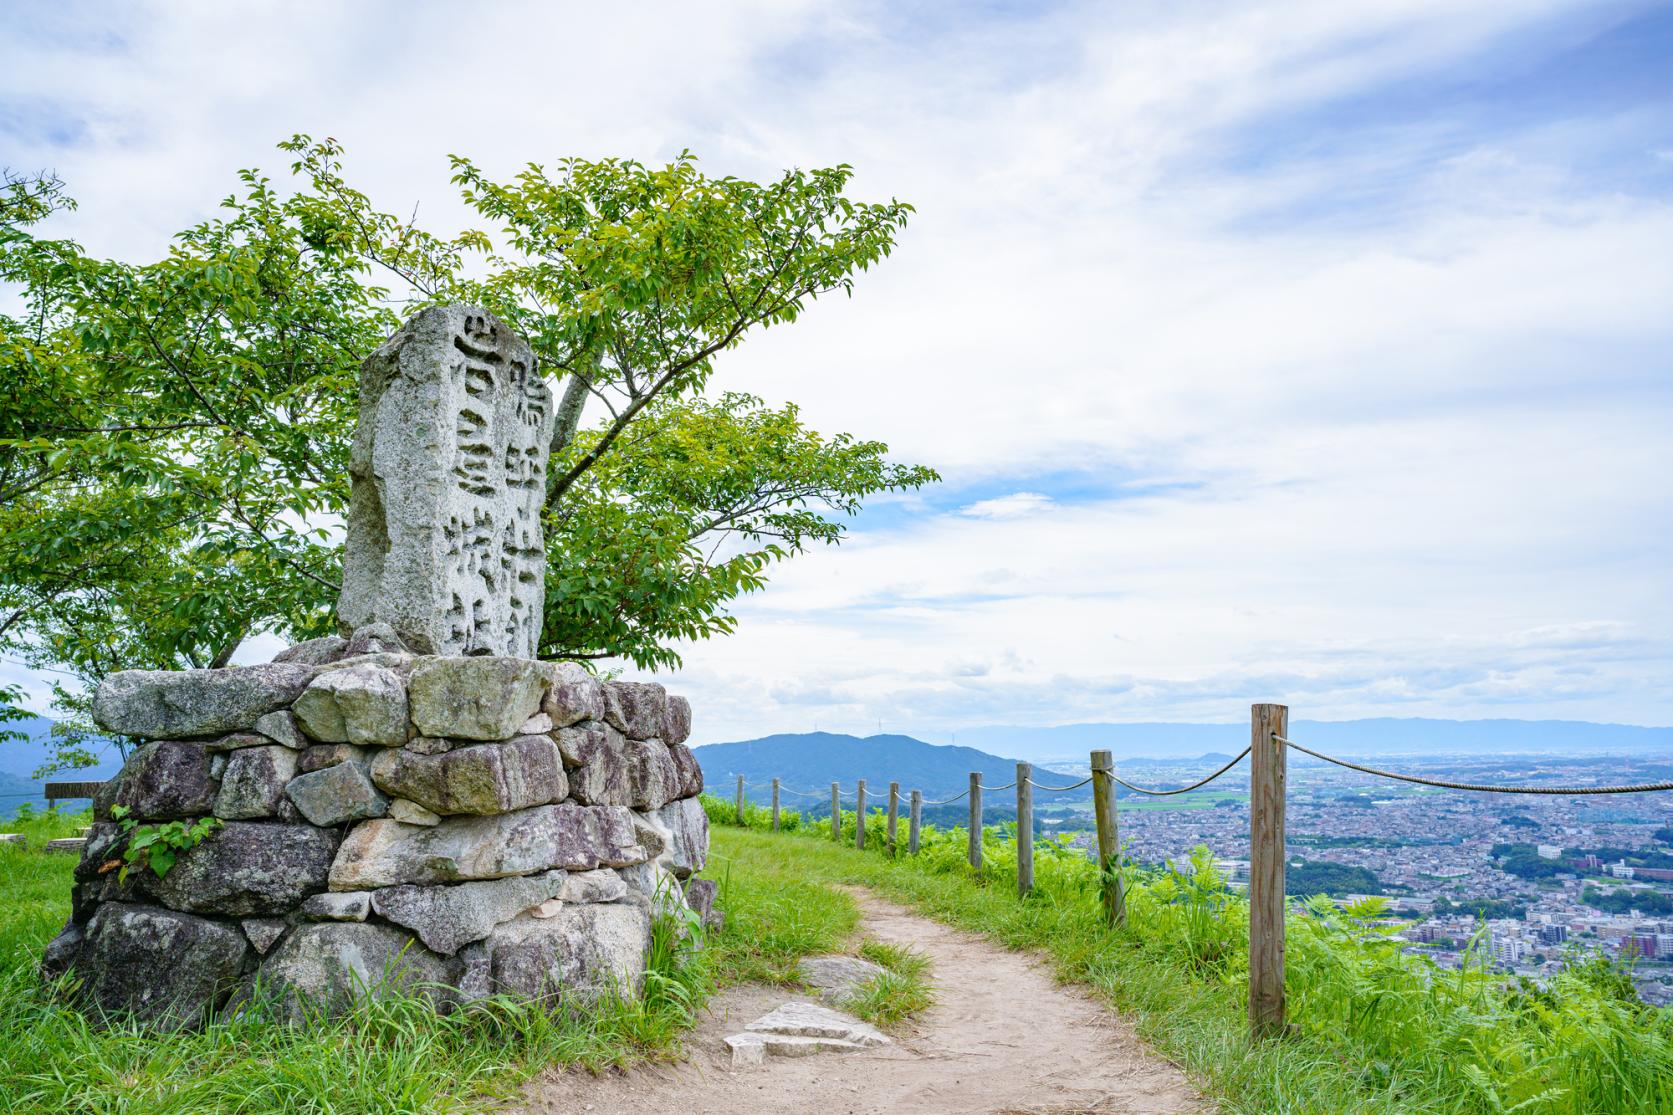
{"points": [[1003, 1038], [798, 1030]]}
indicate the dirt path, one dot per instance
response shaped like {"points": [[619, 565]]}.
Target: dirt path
{"points": [[1002, 1037]]}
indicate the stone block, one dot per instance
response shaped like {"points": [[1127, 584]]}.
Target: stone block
{"points": [[601, 885], [181, 704], [578, 954], [606, 768], [474, 698], [332, 963], [574, 695], [676, 721], [246, 868], [61, 952], [363, 704], [336, 795], [263, 932], [446, 918], [333, 905], [281, 727], [163, 781], [448, 478], [689, 849], [411, 813], [652, 886], [484, 778], [166, 967], [653, 779], [700, 897], [254, 782], [537, 725], [386, 853], [323, 755], [635, 708], [690, 770]]}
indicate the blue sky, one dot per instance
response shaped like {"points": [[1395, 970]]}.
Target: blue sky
{"points": [[1295, 351]]}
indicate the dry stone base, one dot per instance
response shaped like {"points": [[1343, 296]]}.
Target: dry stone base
{"points": [[455, 827]]}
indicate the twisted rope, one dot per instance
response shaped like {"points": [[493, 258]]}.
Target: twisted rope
{"points": [[948, 801], [1480, 787], [1183, 789], [798, 793], [1060, 789]]}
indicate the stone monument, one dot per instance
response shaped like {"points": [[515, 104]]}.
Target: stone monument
{"points": [[448, 479], [417, 803]]}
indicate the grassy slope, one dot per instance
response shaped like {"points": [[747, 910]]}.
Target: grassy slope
{"points": [[1377, 1031]]}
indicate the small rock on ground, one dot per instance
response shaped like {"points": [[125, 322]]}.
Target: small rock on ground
{"points": [[836, 977]]}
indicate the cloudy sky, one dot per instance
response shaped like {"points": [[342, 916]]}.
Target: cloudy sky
{"points": [[1312, 352]]}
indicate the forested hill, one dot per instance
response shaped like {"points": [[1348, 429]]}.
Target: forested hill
{"points": [[811, 761]]}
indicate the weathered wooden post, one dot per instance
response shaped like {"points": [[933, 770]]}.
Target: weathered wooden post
{"points": [[976, 820], [860, 816], [1025, 829], [836, 812], [894, 818], [914, 821], [1109, 838], [1266, 868], [775, 805], [740, 799]]}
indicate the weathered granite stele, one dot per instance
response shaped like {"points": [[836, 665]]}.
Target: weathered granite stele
{"points": [[415, 805], [449, 473]]}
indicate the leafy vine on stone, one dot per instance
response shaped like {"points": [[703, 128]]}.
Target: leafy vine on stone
{"points": [[156, 846]]}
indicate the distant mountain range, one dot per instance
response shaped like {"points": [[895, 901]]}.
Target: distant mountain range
{"points": [[808, 763]]}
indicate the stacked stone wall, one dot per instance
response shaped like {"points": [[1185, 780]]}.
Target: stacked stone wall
{"points": [[465, 826]]}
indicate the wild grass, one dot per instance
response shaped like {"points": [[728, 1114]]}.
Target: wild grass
{"points": [[899, 993], [1377, 1030]]}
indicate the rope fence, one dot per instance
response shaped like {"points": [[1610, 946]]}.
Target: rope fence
{"points": [[1269, 743], [1477, 787]]}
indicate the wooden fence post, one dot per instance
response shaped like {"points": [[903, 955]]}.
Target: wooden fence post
{"points": [[1266, 868], [894, 818], [1109, 838], [775, 805], [914, 821], [976, 820], [836, 812], [860, 816], [740, 799], [1025, 829]]}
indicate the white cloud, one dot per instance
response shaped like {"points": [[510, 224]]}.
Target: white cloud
{"points": [[1014, 506], [1400, 452]]}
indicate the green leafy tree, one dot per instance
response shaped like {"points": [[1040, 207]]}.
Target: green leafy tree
{"points": [[173, 434]]}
